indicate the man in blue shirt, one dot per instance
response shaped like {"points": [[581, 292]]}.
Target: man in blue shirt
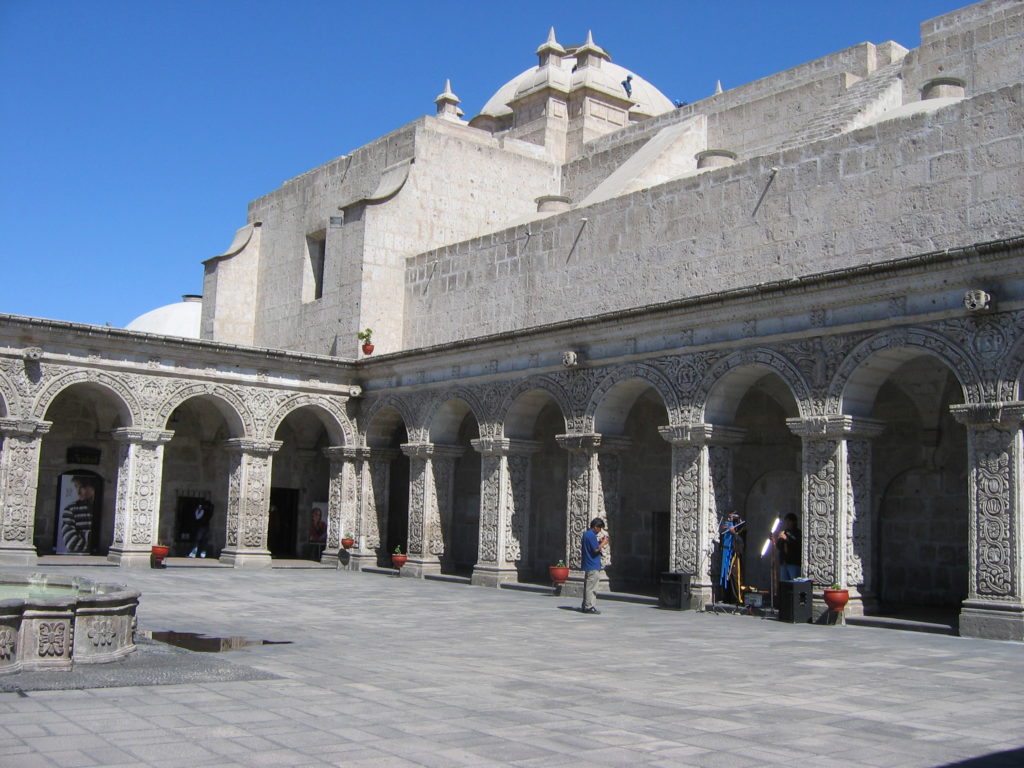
{"points": [[592, 544]]}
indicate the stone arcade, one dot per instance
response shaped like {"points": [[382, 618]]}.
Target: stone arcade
{"points": [[801, 294]]}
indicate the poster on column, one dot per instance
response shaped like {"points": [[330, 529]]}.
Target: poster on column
{"points": [[318, 523], [78, 500]]}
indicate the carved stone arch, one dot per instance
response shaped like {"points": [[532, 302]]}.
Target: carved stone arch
{"points": [[332, 416], [1011, 377], [124, 399], [513, 412], [853, 388], [10, 399], [444, 416], [226, 400], [607, 413], [719, 393], [373, 429]]}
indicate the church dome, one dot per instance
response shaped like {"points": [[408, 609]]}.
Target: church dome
{"points": [[180, 319], [559, 73]]}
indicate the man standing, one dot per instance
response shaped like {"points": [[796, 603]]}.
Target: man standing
{"points": [[592, 545], [788, 543]]}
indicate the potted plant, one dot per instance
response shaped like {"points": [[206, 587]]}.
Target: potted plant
{"points": [[836, 597], [157, 554], [398, 559], [367, 338], [559, 573], [348, 542]]}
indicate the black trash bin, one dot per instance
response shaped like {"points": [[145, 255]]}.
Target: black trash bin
{"points": [[675, 591], [795, 599]]}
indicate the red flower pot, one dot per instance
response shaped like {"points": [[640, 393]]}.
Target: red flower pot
{"points": [[398, 561], [367, 349], [348, 543], [836, 599], [559, 574], [157, 554]]}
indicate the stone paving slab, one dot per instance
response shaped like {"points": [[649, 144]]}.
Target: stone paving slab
{"points": [[385, 671]]}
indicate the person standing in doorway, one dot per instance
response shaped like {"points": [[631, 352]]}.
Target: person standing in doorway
{"points": [[200, 530], [787, 542], [592, 545]]}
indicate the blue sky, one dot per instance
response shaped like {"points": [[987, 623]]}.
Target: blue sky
{"points": [[134, 134]]}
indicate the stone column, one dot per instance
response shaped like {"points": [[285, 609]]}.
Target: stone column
{"points": [[137, 508], [593, 492], [994, 607], [342, 502], [248, 511], [836, 501], [504, 508], [701, 492], [19, 474], [373, 482], [431, 474]]}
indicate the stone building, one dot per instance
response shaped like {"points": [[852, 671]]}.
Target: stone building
{"points": [[801, 294]]}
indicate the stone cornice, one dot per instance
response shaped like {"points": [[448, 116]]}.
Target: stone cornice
{"points": [[432, 451], [1006, 414], [24, 427], [593, 442], [701, 434], [504, 446], [137, 436], [836, 426], [253, 447]]}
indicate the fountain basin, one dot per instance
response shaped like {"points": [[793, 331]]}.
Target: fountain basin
{"points": [[52, 622]]}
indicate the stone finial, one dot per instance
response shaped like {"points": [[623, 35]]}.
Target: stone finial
{"points": [[590, 53], [718, 86], [448, 103], [550, 52]]}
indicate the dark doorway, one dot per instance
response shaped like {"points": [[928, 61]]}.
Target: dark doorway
{"points": [[281, 530], [185, 523]]}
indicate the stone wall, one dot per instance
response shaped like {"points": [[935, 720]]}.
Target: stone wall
{"points": [[925, 182]]}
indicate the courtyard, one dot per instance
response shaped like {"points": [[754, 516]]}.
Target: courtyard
{"points": [[362, 669]]}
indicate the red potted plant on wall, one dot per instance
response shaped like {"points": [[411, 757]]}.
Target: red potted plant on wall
{"points": [[348, 542], [367, 338], [398, 559], [836, 597], [559, 573]]}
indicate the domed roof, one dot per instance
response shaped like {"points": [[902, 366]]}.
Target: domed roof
{"points": [[180, 319], [557, 74]]}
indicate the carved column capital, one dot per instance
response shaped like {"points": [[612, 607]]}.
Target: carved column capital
{"points": [[837, 426], [999, 414], [253, 447], [24, 427], [432, 451], [593, 442], [699, 433], [137, 436], [504, 446]]}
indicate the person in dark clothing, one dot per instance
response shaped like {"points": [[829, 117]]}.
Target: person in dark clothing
{"points": [[787, 543], [200, 530]]}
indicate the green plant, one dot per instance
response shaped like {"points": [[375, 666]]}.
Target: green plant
{"points": [[366, 336], [398, 549], [560, 564], [837, 586]]}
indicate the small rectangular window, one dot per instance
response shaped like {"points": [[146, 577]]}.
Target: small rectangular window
{"points": [[316, 256]]}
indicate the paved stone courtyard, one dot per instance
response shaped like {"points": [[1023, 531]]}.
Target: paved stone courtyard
{"points": [[396, 672]]}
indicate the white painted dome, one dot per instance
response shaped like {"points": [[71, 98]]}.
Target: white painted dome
{"points": [[181, 319], [649, 100]]}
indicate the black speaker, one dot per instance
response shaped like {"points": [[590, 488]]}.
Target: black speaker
{"points": [[795, 599], [675, 591]]}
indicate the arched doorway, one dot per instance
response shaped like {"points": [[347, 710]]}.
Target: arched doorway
{"points": [[196, 469], [78, 468], [639, 525], [536, 416], [455, 425], [919, 478], [387, 497]]}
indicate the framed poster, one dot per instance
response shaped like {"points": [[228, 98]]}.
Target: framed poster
{"points": [[79, 496]]}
